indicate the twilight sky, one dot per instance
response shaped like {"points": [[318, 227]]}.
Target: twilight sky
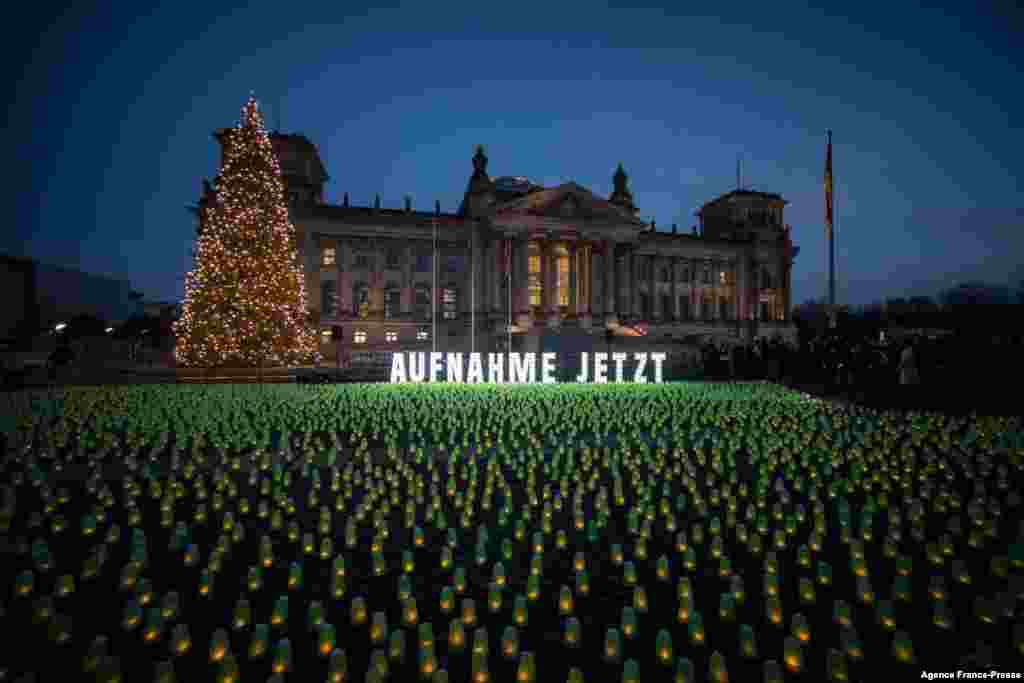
{"points": [[112, 107]]}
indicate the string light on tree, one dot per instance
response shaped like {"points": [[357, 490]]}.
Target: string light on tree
{"points": [[245, 299]]}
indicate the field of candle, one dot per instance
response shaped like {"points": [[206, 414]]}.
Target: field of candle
{"points": [[580, 532]]}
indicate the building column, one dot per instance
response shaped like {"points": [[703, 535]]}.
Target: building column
{"points": [[610, 263], [521, 265], [496, 264], [551, 279], [624, 294], [672, 264], [786, 299], [627, 282], [652, 264], [408, 285], [573, 274], [588, 275], [634, 290], [479, 252], [544, 268], [745, 288]]}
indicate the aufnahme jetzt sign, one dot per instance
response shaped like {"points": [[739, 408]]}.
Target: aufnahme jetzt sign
{"points": [[523, 368]]}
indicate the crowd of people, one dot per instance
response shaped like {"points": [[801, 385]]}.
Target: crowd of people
{"points": [[913, 371]]}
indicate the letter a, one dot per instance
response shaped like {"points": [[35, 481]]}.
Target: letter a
{"points": [[398, 368]]}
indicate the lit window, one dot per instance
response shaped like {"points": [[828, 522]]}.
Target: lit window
{"points": [[449, 302], [390, 337], [534, 276], [422, 335], [328, 256], [360, 298], [563, 280], [722, 278], [359, 337]]}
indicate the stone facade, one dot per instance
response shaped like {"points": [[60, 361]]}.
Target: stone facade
{"points": [[577, 262]]}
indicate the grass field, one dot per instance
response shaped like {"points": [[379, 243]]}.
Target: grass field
{"points": [[607, 530]]}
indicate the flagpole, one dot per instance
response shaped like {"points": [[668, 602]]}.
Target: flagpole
{"points": [[433, 292], [829, 227], [508, 267], [472, 289]]}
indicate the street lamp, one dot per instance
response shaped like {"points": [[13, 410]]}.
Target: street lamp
{"points": [[59, 327]]}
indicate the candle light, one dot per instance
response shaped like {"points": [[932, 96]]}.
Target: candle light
{"points": [[181, 641], [748, 642], [792, 655], [282, 656], [663, 647]]}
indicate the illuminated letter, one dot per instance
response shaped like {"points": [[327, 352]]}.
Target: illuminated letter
{"points": [[417, 366], [658, 359], [619, 359], [515, 367], [476, 369], [398, 368], [522, 368], [641, 364], [547, 368], [600, 368], [584, 370], [435, 365], [496, 368], [453, 363]]}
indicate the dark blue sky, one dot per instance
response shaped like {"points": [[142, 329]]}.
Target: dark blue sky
{"points": [[112, 109]]}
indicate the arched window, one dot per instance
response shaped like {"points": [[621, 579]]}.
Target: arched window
{"points": [[392, 300], [664, 275], [645, 305], [329, 298], [666, 306], [421, 304], [360, 298], [723, 309], [766, 278]]}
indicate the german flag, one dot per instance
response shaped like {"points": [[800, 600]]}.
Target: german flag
{"points": [[828, 188]]}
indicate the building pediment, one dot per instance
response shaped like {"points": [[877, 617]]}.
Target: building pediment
{"points": [[569, 200]]}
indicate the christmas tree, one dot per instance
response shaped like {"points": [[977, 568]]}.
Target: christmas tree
{"points": [[245, 299]]}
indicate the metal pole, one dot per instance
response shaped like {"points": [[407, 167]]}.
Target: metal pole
{"points": [[472, 289], [433, 292], [509, 262]]}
